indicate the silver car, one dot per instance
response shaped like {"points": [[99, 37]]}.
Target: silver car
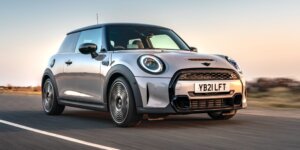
{"points": [[134, 69]]}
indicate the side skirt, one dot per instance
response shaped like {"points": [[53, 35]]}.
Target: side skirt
{"points": [[84, 105]]}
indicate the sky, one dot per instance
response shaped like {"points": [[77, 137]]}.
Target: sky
{"points": [[263, 36]]}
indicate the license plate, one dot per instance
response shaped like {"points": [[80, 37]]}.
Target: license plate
{"points": [[211, 86]]}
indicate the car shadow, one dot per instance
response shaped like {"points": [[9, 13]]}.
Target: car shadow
{"points": [[189, 121]]}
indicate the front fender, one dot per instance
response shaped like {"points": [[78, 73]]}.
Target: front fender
{"points": [[117, 71]]}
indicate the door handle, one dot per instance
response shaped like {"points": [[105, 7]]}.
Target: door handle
{"points": [[69, 62]]}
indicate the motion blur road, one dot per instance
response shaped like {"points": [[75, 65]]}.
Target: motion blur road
{"points": [[250, 129]]}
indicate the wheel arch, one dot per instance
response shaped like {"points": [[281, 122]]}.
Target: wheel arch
{"points": [[49, 75], [122, 71]]}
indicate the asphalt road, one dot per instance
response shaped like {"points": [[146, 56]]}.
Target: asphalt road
{"points": [[253, 130]]}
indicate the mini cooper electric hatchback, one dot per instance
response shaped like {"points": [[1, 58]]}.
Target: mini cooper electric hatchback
{"points": [[135, 69]]}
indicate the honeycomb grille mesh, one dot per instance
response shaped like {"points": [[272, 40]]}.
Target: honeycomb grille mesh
{"points": [[208, 104], [208, 75]]}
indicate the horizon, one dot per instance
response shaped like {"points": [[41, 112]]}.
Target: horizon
{"points": [[248, 81], [262, 36]]}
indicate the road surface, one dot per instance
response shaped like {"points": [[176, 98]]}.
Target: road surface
{"points": [[23, 125]]}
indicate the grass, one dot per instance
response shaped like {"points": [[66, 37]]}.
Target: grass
{"points": [[21, 90], [275, 97]]}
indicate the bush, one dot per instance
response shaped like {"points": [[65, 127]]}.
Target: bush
{"points": [[264, 84]]}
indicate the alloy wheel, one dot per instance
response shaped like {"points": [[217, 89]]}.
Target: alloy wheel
{"points": [[119, 102]]}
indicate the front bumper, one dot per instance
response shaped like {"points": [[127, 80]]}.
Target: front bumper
{"points": [[170, 95]]}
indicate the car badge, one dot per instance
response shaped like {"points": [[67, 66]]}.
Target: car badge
{"points": [[206, 64]]}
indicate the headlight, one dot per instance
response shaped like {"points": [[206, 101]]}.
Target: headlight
{"points": [[151, 64], [234, 64]]}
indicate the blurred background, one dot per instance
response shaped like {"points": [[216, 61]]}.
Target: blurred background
{"points": [[263, 36]]}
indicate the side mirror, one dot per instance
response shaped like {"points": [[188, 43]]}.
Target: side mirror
{"points": [[88, 48], [193, 49]]}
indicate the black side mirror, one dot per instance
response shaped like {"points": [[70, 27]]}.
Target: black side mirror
{"points": [[88, 48], [193, 49]]}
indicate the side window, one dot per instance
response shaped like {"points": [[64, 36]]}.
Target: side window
{"points": [[90, 36], [69, 43], [163, 41]]}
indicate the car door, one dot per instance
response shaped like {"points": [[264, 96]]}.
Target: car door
{"points": [[66, 49], [82, 72]]}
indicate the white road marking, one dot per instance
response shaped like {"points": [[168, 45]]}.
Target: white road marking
{"points": [[57, 136]]}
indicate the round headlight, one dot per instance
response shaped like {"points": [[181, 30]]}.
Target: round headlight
{"points": [[234, 64], [151, 64]]}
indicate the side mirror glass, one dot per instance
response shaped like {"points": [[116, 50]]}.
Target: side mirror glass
{"points": [[194, 49]]}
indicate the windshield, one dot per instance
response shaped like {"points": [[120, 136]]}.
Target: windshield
{"points": [[143, 37]]}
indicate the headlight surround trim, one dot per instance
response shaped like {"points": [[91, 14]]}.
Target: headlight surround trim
{"points": [[157, 60]]}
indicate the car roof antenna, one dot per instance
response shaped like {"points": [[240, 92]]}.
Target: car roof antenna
{"points": [[97, 17]]}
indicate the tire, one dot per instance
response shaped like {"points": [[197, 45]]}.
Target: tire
{"points": [[222, 115], [122, 104], [49, 99]]}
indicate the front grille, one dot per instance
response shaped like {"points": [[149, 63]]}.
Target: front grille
{"points": [[193, 94], [208, 75], [210, 103], [183, 103]]}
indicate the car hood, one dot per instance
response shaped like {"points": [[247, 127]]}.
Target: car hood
{"points": [[175, 60]]}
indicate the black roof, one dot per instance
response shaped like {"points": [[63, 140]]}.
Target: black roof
{"points": [[113, 24]]}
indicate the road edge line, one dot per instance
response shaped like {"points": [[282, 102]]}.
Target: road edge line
{"points": [[57, 135]]}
